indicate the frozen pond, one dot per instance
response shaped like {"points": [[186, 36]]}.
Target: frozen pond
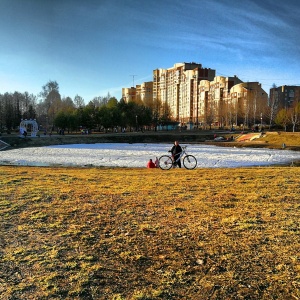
{"points": [[137, 155]]}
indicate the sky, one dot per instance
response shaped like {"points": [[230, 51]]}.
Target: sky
{"points": [[137, 155], [95, 47]]}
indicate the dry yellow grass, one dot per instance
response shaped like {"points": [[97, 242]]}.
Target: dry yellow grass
{"points": [[276, 139], [100, 233]]}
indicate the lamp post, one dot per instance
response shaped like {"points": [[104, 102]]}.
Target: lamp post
{"points": [[260, 121], [136, 121]]}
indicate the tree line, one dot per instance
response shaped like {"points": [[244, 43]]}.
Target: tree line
{"points": [[106, 113], [53, 112]]}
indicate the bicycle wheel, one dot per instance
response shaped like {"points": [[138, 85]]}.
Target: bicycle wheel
{"points": [[165, 162], [190, 162]]}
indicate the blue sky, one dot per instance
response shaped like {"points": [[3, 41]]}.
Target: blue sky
{"points": [[93, 47]]}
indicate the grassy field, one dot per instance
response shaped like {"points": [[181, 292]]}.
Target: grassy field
{"points": [[99, 233]]}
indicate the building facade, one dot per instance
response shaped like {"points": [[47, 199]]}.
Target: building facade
{"points": [[197, 97], [215, 99], [129, 94], [284, 96], [178, 88], [144, 93], [248, 101]]}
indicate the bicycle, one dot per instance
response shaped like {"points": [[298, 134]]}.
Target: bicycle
{"points": [[189, 161]]}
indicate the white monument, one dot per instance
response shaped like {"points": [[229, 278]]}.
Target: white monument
{"points": [[29, 126]]}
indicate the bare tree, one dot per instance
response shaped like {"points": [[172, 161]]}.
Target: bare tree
{"points": [[50, 102], [78, 101], [294, 115], [272, 108]]}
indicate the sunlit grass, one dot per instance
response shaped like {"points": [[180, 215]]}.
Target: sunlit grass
{"points": [[277, 139], [100, 233]]}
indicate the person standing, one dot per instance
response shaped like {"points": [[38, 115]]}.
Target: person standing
{"points": [[176, 151]]}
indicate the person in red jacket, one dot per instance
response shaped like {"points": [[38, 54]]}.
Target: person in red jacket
{"points": [[151, 164]]}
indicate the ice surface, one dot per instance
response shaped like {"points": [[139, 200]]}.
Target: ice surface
{"points": [[137, 155]]}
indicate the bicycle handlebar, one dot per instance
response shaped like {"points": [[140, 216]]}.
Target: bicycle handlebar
{"points": [[183, 148]]}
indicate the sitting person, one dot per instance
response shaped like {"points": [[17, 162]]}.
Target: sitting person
{"points": [[151, 164], [157, 163]]}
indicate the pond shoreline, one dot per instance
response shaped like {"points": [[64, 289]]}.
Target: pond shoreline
{"points": [[130, 137], [192, 137]]}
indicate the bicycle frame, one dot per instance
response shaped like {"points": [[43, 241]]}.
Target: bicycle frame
{"points": [[182, 153]]}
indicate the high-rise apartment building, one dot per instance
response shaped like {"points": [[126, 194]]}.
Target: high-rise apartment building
{"points": [[214, 97], [178, 88], [285, 96]]}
